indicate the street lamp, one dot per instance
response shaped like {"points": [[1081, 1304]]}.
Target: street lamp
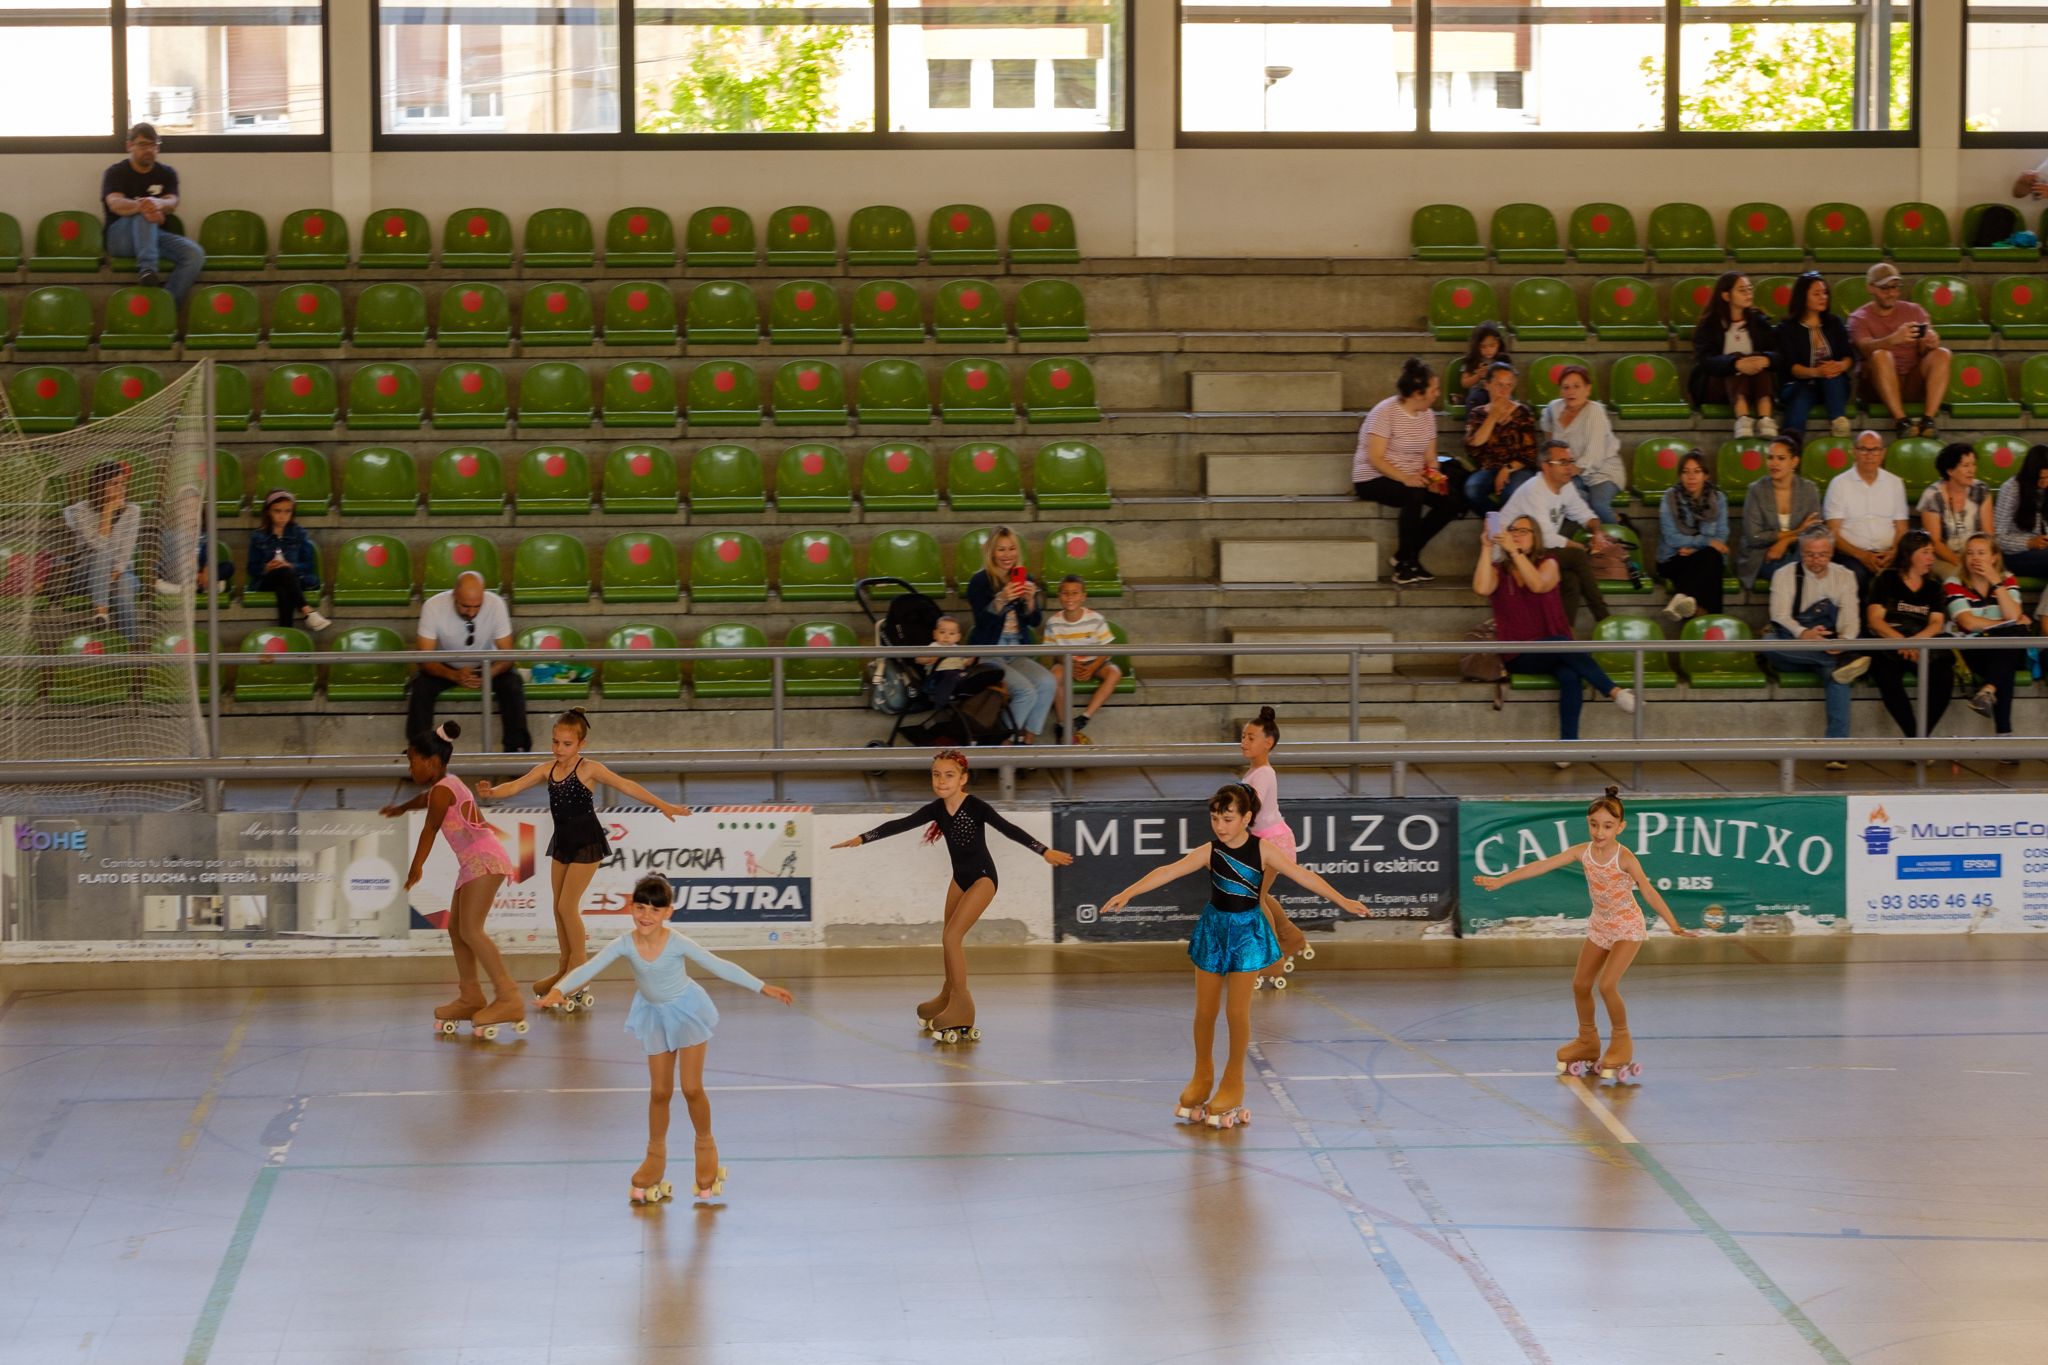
{"points": [[1274, 75]]}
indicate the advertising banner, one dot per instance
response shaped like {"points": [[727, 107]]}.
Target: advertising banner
{"points": [[1933, 864], [1757, 864], [1398, 856]]}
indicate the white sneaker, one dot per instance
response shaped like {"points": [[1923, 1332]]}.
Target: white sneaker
{"points": [[1767, 426], [1561, 764], [1854, 669], [1744, 428], [1681, 607], [1626, 700], [1840, 426], [166, 588], [319, 622]]}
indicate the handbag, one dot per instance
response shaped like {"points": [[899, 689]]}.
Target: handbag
{"points": [[1486, 666]]}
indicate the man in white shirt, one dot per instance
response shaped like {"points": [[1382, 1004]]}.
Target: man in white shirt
{"points": [[1552, 500], [468, 616], [1816, 599], [1866, 511]]}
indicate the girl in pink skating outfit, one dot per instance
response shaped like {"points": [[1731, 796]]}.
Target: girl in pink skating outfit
{"points": [[1256, 744]]}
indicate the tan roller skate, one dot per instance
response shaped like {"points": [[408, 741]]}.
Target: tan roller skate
{"points": [[1233, 1115], [462, 1007], [1193, 1106], [648, 1185], [932, 1009], [508, 1008], [1293, 944], [704, 1189], [1619, 1062], [1576, 1058], [954, 1023], [582, 999]]}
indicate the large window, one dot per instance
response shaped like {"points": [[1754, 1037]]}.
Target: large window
{"points": [[478, 66], [754, 66], [1796, 66], [2005, 73], [972, 66]]}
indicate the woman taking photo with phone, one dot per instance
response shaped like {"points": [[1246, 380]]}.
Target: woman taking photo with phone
{"points": [[1008, 604]]}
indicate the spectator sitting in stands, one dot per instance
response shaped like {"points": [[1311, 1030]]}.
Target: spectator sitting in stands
{"points": [[138, 195], [1907, 602], [468, 616], [1955, 507], [1553, 499], [281, 563], [1488, 343], [184, 542], [1075, 624], [1734, 353], [1692, 535], [104, 526], [1520, 578], [1582, 424], [1501, 435], [1903, 358], [1985, 601], [2021, 518], [1817, 355], [1396, 465], [1866, 510], [1778, 511], [1006, 602], [1815, 600]]}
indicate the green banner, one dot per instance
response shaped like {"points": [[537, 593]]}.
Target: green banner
{"points": [[1756, 864]]}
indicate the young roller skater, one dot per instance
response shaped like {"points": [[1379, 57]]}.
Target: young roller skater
{"points": [[1256, 744], [579, 844], [1232, 941], [1614, 935], [673, 1017], [482, 869], [963, 822]]}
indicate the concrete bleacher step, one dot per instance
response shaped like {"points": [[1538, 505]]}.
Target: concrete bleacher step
{"points": [[1297, 561], [1242, 665], [1323, 473], [1266, 391]]}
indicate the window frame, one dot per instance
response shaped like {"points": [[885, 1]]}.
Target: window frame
{"points": [[177, 144], [1676, 14], [2037, 14], [627, 138]]}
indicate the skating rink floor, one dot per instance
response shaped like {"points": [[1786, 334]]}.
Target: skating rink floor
{"points": [[1834, 1162]]}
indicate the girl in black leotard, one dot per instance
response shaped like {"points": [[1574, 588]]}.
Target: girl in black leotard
{"points": [[963, 822], [579, 844]]}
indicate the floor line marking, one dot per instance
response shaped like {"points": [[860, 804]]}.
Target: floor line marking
{"points": [[207, 1329], [197, 1123]]}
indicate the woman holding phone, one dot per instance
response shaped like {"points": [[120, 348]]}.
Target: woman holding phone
{"points": [[1008, 604]]}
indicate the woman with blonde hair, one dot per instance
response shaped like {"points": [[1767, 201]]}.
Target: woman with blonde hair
{"points": [[1008, 605]]}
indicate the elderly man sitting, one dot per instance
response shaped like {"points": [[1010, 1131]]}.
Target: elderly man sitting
{"points": [[1815, 600], [468, 617], [1866, 510]]}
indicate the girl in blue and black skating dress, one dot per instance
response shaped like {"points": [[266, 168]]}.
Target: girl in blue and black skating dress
{"points": [[1233, 941]]}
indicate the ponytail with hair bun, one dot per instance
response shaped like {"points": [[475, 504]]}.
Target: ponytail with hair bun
{"points": [[437, 743], [1609, 801], [1415, 378], [1269, 722]]}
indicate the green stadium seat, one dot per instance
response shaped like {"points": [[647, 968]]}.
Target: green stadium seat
{"points": [[899, 478], [720, 235], [728, 566], [1655, 468], [474, 314], [451, 556], [1919, 232], [1070, 476], [313, 239], [551, 568], [267, 671], [92, 686], [640, 393], [1545, 373], [301, 471], [160, 685], [1043, 234], [120, 387], [2019, 307], [1623, 308], [976, 390], [373, 571], [2034, 384], [266, 601], [817, 566], [300, 398], [641, 480], [1848, 294], [477, 239], [1999, 457], [1604, 234], [1976, 388], [45, 398], [556, 394], [1086, 551], [557, 314], [1994, 252], [1840, 232], [396, 239], [55, 317], [227, 483], [1051, 310], [234, 403], [1912, 459], [553, 481], [1773, 293], [655, 680], [221, 317], [391, 314], [1458, 305], [813, 478], [306, 316], [552, 679], [367, 682], [1525, 234], [881, 234], [968, 312], [1760, 233], [470, 395], [809, 393], [1825, 457], [804, 313], [893, 393], [818, 677], [139, 318], [1060, 389], [1688, 299], [639, 238], [234, 239], [640, 313], [1445, 232], [380, 481], [722, 313], [1740, 464], [910, 555], [802, 234], [725, 479], [10, 243], [1682, 233], [731, 677], [961, 234], [559, 239], [1952, 306], [466, 481], [1657, 670], [1646, 388], [887, 312], [1720, 669], [68, 241], [985, 477]]}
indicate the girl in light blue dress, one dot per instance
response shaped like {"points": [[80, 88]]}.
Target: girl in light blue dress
{"points": [[673, 1017]]}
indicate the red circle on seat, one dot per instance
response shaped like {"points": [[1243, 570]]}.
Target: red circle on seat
{"points": [[463, 554], [1756, 222], [970, 299], [1644, 372], [1752, 459], [1600, 223], [182, 647], [302, 386], [472, 381], [472, 301], [550, 642], [2023, 294], [720, 224], [46, 388], [729, 551], [959, 222], [223, 303], [316, 226], [394, 226], [641, 464], [466, 466], [1624, 296], [307, 303], [1972, 376], [636, 224], [1714, 633], [557, 302], [1077, 546], [478, 225], [1943, 295], [984, 460], [817, 551], [1782, 295], [897, 461], [1461, 297], [812, 463], [808, 380], [1834, 221], [67, 231], [640, 382], [95, 647], [138, 306], [2002, 456], [1837, 457], [885, 300], [639, 552], [131, 389], [1911, 218], [724, 381], [376, 555], [818, 639], [276, 644], [636, 301], [1064, 379], [1667, 458], [977, 380], [1555, 371], [799, 222], [1041, 221], [295, 468], [387, 385], [806, 300], [554, 466], [640, 642]]}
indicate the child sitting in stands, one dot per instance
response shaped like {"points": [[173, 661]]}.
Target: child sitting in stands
{"points": [[1075, 624]]}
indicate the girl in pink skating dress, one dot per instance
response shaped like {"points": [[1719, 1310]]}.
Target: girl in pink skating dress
{"points": [[1256, 744]]}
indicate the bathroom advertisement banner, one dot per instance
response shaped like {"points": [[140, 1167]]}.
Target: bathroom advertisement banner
{"points": [[1758, 864], [1948, 864], [738, 865]]}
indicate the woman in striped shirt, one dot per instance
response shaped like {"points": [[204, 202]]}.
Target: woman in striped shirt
{"points": [[1397, 466]]}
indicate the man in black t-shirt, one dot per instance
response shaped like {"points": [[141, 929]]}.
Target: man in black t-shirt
{"points": [[137, 195]]}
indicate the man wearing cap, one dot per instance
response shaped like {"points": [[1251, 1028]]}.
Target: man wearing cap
{"points": [[136, 196], [1551, 499], [1914, 365], [468, 617]]}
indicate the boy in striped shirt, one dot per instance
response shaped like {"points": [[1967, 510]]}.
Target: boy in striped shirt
{"points": [[1075, 624]]}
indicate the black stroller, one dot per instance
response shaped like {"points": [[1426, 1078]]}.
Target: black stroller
{"points": [[954, 707]]}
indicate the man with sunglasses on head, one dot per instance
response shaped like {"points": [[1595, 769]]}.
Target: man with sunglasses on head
{"points": [[1904, 360], [137, 196], [468, 616]]}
